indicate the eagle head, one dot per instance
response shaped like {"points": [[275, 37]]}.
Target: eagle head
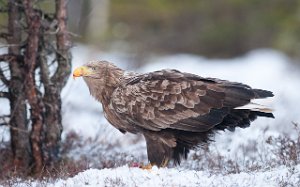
{"points": [[91, 70], [100, 76]]}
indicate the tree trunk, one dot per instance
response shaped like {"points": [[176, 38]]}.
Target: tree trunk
{"points": [[18, 113], [33, 20], [54, 85], [35, 102]]}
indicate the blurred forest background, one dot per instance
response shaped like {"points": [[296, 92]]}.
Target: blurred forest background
{"points": [[213, 28], [142, 29]]}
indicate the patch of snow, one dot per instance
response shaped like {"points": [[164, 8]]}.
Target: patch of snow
{"points": [[126, 176]]}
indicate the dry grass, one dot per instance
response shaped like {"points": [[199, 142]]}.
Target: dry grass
{"points": [[272, 152], [76, 157]]}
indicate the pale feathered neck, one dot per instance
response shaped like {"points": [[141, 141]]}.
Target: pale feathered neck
{"points": [[108, 79]]}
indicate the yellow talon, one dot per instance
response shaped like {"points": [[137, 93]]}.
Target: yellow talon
{"points": [[147, 167]]}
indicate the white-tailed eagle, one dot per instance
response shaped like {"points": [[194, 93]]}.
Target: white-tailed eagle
{"points": [[175, 111]]}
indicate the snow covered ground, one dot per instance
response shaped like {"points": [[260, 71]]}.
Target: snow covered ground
{"points": [[125, 176], [266, 69]]}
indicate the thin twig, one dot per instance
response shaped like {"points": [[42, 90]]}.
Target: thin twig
{"points": [[4, 94], [4, 116], [9, 45], [6, 123], [3, 124], [74, 34], [3, 78], [4, 120], [4, 35], [11, 57], [18, 129], [6, 57], [3, 9]]}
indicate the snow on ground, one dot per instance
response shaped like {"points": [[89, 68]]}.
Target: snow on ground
{"points": [[125, 176], [266, 69]]}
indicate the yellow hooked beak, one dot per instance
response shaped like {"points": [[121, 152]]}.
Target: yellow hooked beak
{"points": [[81, 71]]}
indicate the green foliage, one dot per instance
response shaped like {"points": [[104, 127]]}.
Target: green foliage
{"points": [[3, 15], [46, 5], [214, 28]]}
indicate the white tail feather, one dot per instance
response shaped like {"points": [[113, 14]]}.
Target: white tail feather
{"points": [[255, 107]]}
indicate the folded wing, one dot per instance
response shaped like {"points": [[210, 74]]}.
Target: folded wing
{"points": [[169, 99]]}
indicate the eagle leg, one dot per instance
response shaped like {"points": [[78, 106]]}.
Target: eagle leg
{"points": [[159, 149]]}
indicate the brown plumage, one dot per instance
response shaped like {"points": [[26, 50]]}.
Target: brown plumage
{"points": [[175, 111]]}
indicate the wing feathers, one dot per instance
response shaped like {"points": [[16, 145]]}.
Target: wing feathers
{"points": [[170, 99]]}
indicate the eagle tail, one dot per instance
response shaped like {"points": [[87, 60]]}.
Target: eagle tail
{"points": [[242, 118], [262, 93], [256, 107], [258, 104]]}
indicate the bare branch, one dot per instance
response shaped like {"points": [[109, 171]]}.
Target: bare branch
{"points": [[5, 116], [4, 94], [3, 9], [18, 129], [4, 35], [3, 78], [8, 58], [11, 57], [45, 78], [4, 120], [63, 46]]}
